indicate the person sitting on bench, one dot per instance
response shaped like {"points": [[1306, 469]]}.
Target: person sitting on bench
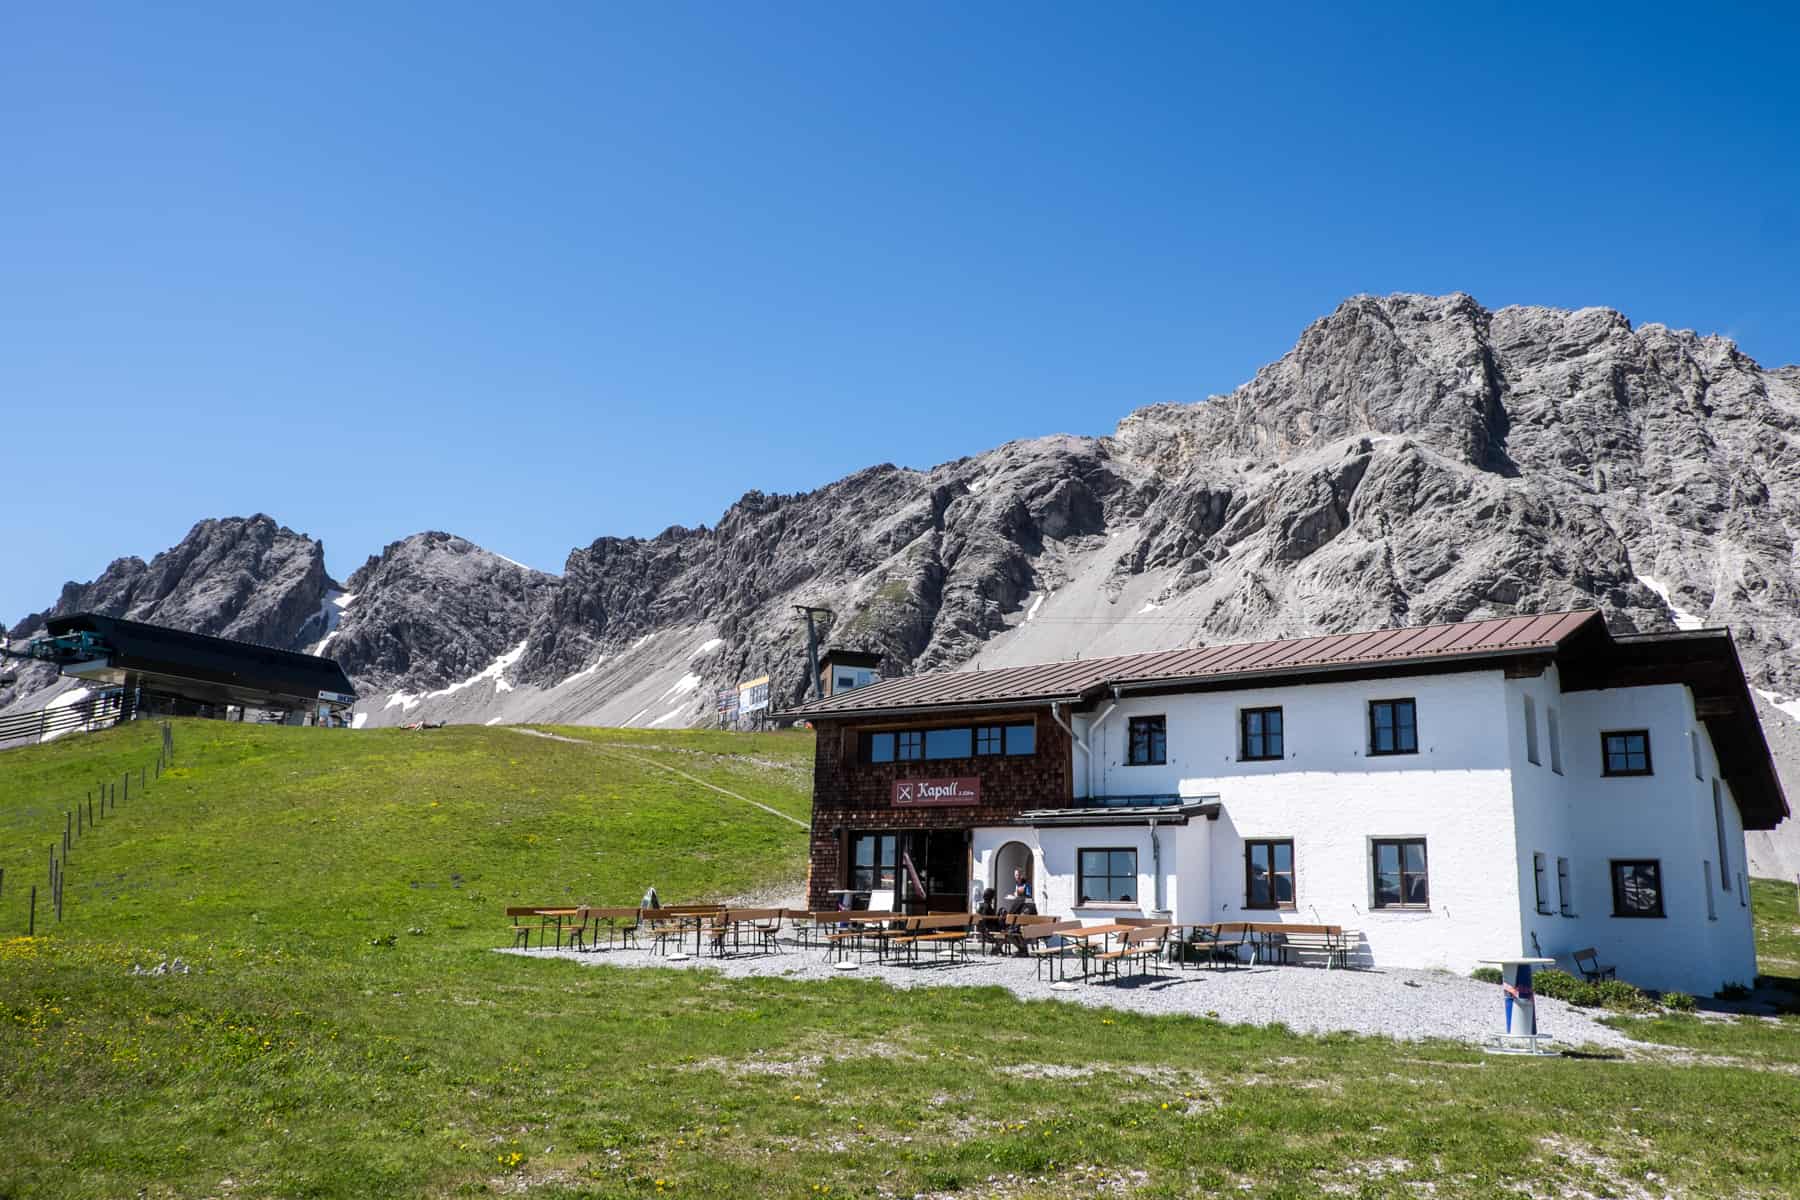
{"points": [[988, 923]]}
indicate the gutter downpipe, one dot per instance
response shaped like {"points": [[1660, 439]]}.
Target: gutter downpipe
{"points": [[1080, 744], [1156, 867], [1093, 729]]}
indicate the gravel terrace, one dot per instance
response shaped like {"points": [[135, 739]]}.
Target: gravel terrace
{"points": [[1408, 1005]]}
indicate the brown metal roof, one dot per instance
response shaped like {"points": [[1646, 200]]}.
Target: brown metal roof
{"points": [[1494, 637]]}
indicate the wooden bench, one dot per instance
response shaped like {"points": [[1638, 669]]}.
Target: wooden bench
{"points": [[521, 934], [1591, 968], [1290, 941], [763, 925], [545, 913], [939, 931], [621, 923], [672, 922], [1144, 944], [859, 928], [1227, 939], [1038, 939]]}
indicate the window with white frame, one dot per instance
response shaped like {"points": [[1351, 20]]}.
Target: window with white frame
{"points": [[1540, 881], [1531, 741], [1555, 740], [1565, 895]]}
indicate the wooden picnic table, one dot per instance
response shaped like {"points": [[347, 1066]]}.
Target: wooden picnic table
{"points": [[1104, 932], [1270, 941], [682, 920], [545, 914]]}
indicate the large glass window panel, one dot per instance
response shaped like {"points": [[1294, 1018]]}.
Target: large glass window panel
{"points": [[1149, 741], [1260, 735], [1400, 878], [950, 743], [1107, 877]]}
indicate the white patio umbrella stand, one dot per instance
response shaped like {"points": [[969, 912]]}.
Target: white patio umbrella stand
{"points": [[1521, 1036]]}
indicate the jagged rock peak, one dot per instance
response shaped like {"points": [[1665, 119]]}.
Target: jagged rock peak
{"points": [[250, 578], [432, 609]]}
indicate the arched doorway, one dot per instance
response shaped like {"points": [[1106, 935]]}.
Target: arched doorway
{"points": [[1011, 856]]}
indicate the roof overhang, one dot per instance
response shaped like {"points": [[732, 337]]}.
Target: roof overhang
{"points": [[1097, 815], [1706, 662], [1439, 664], [931, 710], [198, 667]]}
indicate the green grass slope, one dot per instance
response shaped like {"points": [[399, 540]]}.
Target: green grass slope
{"points": [[271, 835], [309, 1055]]}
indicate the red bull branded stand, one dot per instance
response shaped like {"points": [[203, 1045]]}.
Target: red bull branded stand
{"points": [[1521, 1036]]}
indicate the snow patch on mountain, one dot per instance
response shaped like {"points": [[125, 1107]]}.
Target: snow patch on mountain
{"points": [[1683, 618], [707, 647], [495, 671], [591, 669], [1787, 704], [331, 612]]}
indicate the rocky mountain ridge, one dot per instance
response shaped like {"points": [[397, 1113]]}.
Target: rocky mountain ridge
{"points": [[1411, 459]]}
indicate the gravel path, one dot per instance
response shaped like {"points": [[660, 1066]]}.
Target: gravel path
{"points": [[1407, 1005]]}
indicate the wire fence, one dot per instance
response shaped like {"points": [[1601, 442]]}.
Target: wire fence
{"points": [[85, 818]]}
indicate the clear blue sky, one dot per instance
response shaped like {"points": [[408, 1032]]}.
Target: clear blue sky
{"points": [[538, 273]]}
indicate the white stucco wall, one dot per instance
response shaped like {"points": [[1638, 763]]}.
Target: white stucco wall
{"points": [[1331, 798], [1183, 859], [1592, 819], [1471, 792]]}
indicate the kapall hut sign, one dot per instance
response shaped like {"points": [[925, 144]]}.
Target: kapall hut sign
{"points": [[913, 793]]}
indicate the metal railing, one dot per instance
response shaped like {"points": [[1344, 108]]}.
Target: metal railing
{"points": [[102, 710]]}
